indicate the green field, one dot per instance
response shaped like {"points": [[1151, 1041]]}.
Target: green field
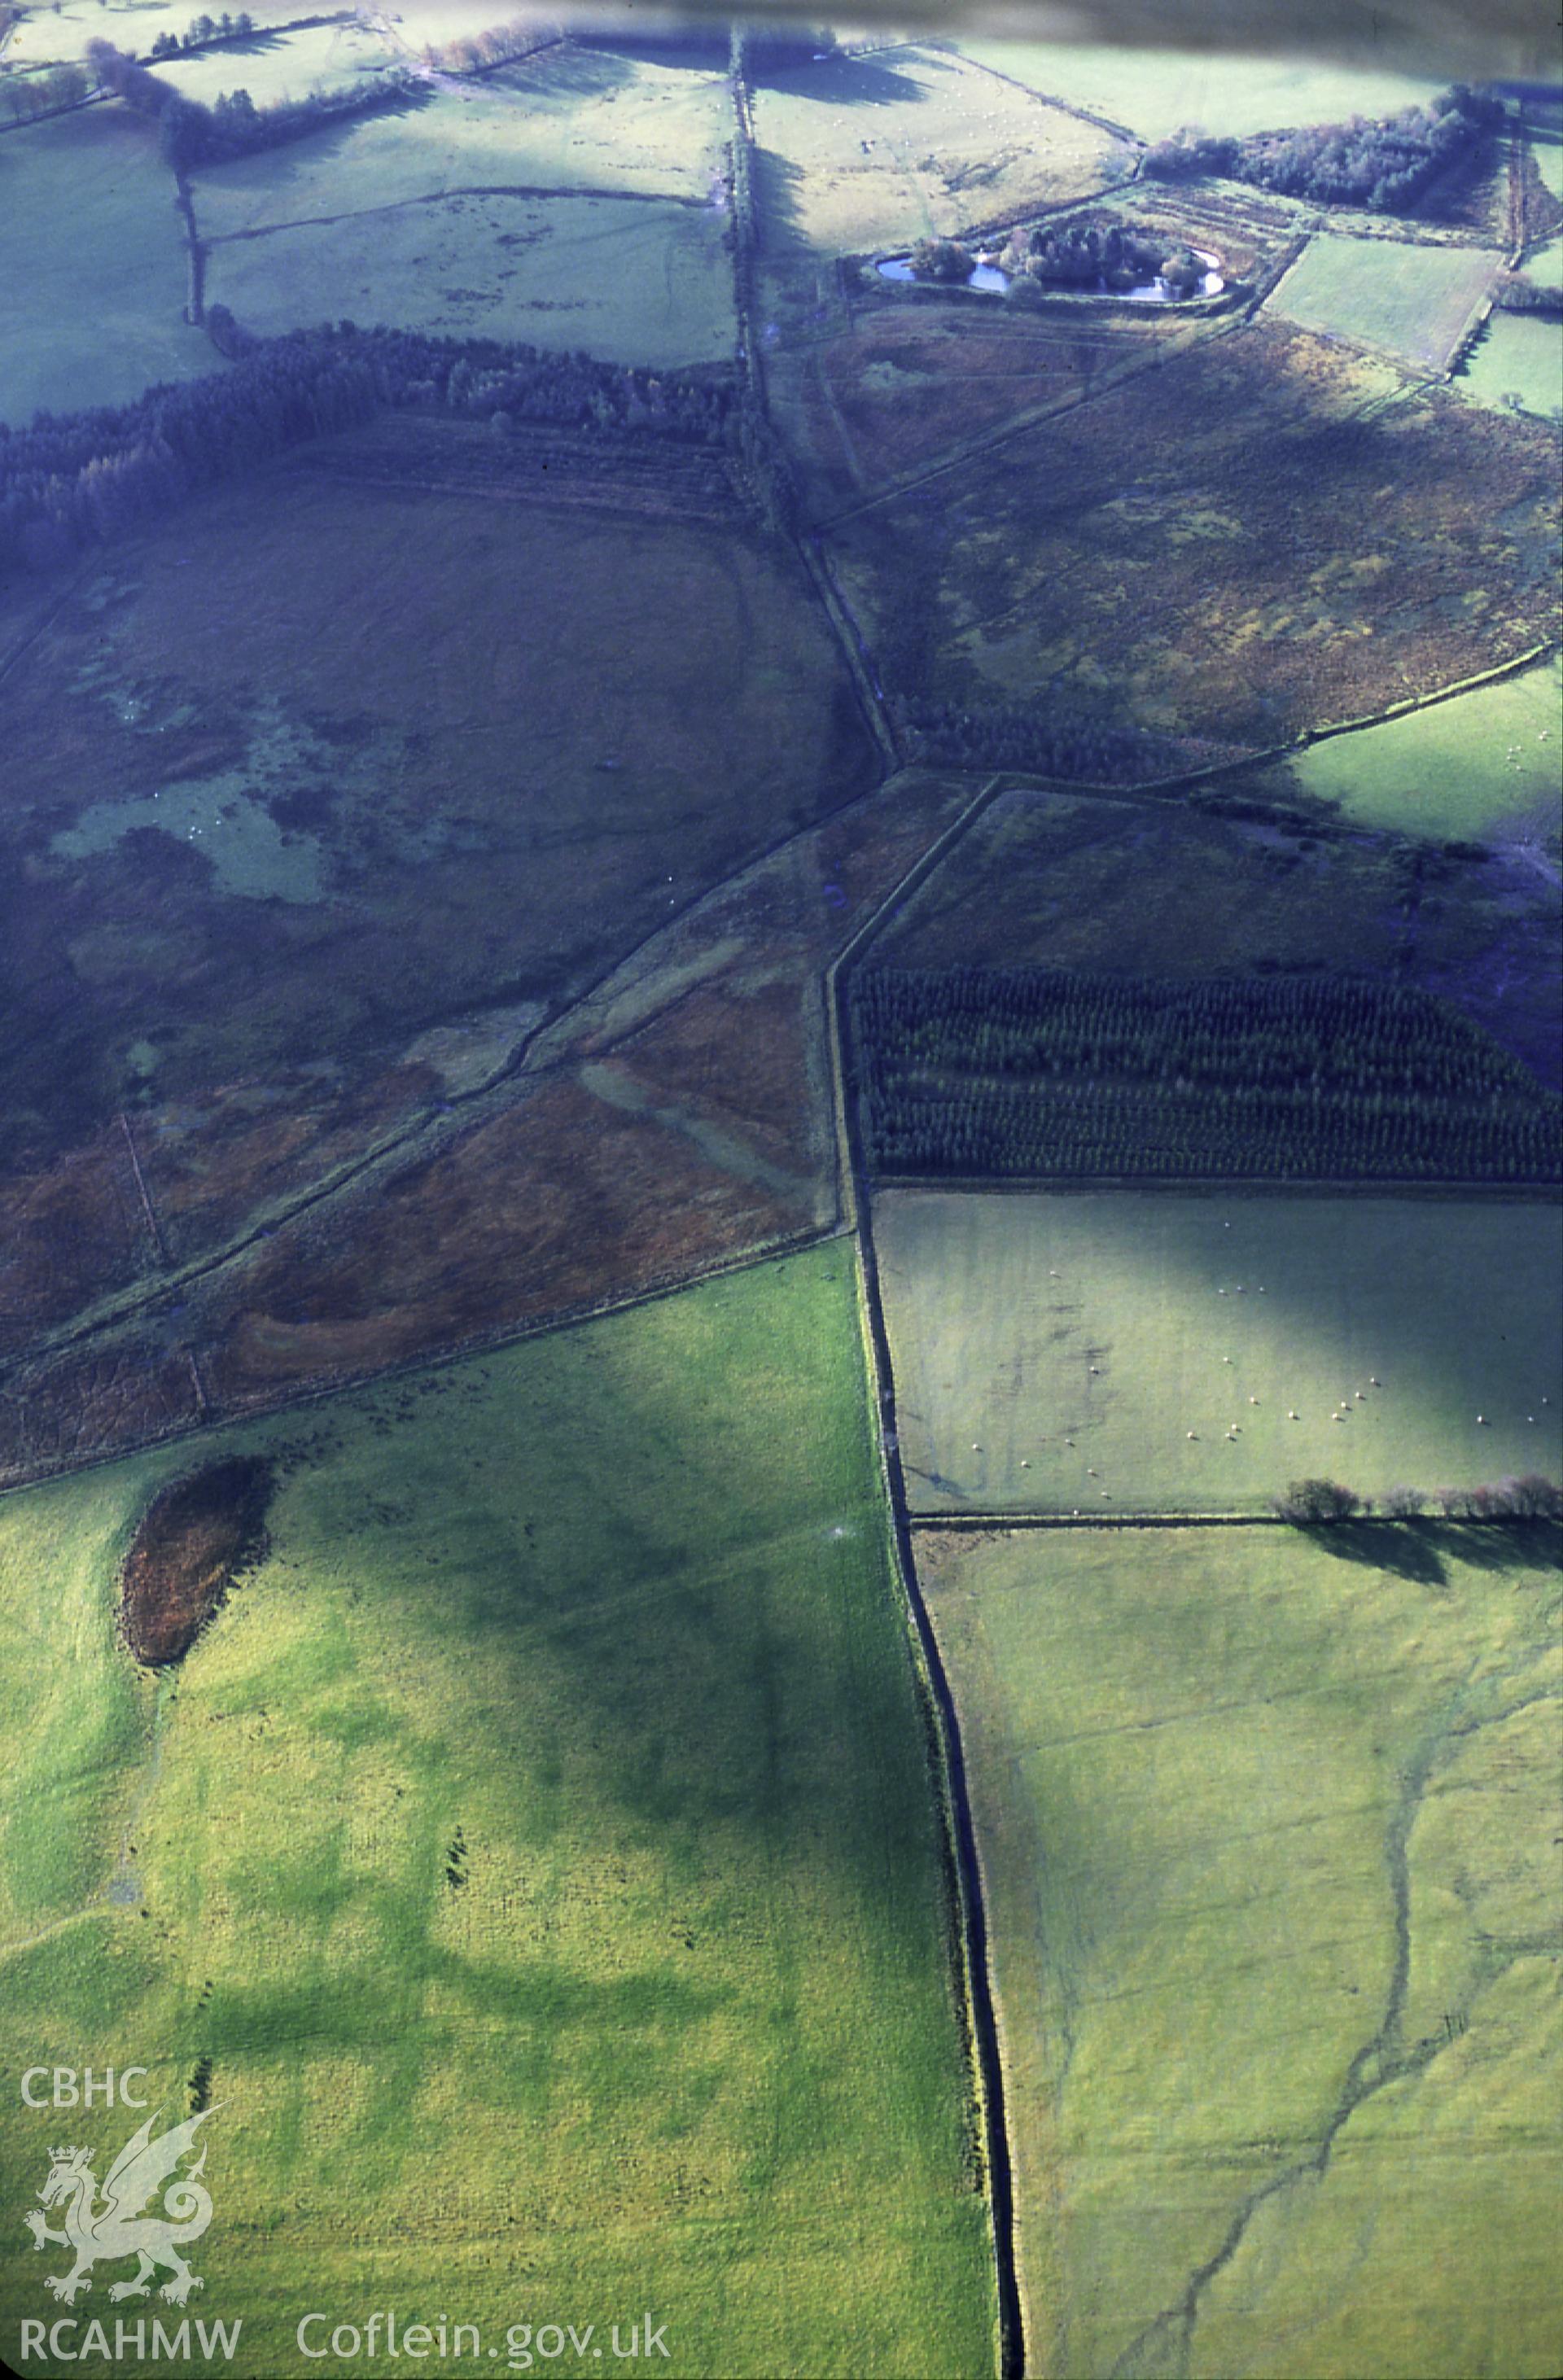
{"points": [[1518, 359], [93, 296], [569, 120], [1000, 1304], [1413, 303], [862, 152], [1266, 1831], [280, 66], [1154, 92], [629, 281], [1470, 766], [603, 1624], [60, 30]]}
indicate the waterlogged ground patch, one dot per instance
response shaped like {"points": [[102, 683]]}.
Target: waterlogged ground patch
{"points": [[1265, 1828], [495, 816], [1113, 1352], [1411, 302], [556, 1787], [251, 856]]}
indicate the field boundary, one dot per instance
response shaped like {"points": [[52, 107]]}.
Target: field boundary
{"points": [[1367, 1519], [1065, 107], [948, 1762], [478, 1344], [1537, 1192], [459, 190]]}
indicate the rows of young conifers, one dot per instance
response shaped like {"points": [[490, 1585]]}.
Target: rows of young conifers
{"points": [[1031, 1071]]}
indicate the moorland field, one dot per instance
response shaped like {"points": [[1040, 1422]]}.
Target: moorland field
{"points": [[1264, 1830], [1249, 876], [1203, 590], [536, 1856], [367, 768]]}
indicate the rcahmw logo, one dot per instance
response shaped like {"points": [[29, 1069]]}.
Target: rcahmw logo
{"points": [[145, 2207]]}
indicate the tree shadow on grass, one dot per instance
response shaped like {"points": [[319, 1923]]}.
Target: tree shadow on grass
{"points": [[1406, 1548], [1420, 1550], [845, 83]]}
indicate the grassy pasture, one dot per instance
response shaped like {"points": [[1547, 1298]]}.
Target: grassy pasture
{"points": [[1413, 303], [628, 281], [540, 1847], [1085, 1336], [48, 35], [92, 300], [278, 66], [1154, 92], [1265, 1827], [569, 120], [862, 152], [1284, 551], [1478, 764], [1518, 359]]}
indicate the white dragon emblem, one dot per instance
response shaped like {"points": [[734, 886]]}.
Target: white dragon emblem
{"points": [[117, 2226]]}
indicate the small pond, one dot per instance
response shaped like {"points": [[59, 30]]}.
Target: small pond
{"points": [[987, 276]]}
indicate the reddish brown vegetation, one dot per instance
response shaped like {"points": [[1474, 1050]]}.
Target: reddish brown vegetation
{"points": [[67, 1234], [683, 1119], [214, 1164], [194, 1538]]}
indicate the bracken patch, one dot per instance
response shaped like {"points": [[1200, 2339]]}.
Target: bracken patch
{"points": [[194, 1539]]}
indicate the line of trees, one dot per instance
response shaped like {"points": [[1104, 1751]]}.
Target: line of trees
{"points": [[1531, 1497], [25, 96], [1034, 1071], [1387, 165], [204, 33], [77, 480], [1518, 293], [499, 45], [1022, 736], [191, 134]]}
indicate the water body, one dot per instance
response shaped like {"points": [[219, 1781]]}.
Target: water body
{"points": [[1146, 293]]}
